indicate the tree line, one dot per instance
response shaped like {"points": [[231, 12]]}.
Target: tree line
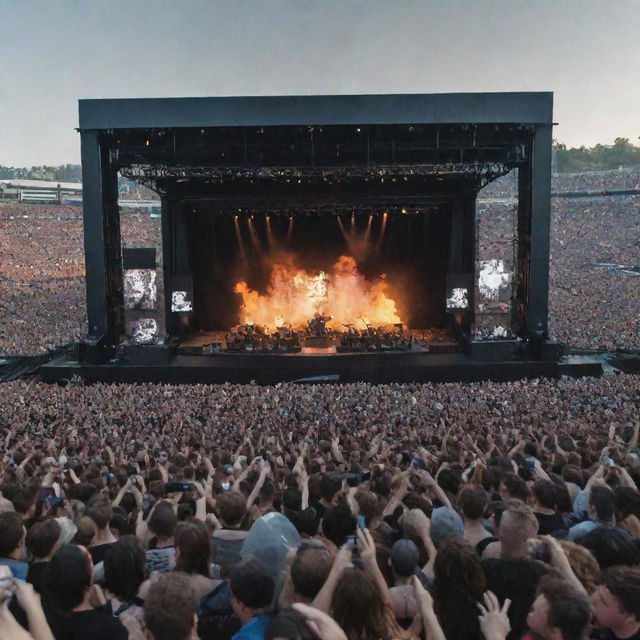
{"points": [[602, 157]]}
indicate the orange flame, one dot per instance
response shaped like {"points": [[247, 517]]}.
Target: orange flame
{"points": [[295, 296]]}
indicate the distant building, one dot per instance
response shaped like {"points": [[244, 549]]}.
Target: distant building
{"points": [[41, 191]]}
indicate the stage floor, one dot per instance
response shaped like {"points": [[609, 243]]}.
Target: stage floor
{"points": [[161, 367]]}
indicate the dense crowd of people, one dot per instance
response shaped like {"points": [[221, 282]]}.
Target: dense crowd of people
{"points": [[619, 180], [351, 512], [42, 301], [42, 287], [42, 291], [594, 296]]}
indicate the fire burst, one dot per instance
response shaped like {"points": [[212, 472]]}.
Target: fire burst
{"points": [[295, 296]]}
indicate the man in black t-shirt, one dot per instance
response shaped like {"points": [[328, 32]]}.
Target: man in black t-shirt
{"points": [[42, 543], [100, 512], [513, 575], [550, 522]]}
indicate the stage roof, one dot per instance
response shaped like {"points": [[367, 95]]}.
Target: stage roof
{"points": [[479, 108]]}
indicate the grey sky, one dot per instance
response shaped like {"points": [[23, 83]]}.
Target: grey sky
{"points": [[54, 52]]}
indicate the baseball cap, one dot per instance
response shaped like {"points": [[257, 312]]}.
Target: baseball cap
{"points": [[404, 557], [445, 523]]}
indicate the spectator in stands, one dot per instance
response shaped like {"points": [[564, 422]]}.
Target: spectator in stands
{"points": [[611, 547], [308, 567], [602, 508], [86, 531], [458, 586], [404, 557], [583, 564], [472, 502], [227, 540], [330, 489], [550, 521]]}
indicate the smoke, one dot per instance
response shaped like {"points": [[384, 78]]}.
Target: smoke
{"points": [[295, 295]]}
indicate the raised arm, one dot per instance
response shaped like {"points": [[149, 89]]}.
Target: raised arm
{"points": [[560, 561], [428, 481], [264, 472], [342, 560]]}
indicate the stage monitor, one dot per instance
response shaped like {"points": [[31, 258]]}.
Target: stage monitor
{"points": [[458, 287], [181, 294]]}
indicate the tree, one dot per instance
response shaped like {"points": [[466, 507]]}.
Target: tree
{"points": [[601, 157]]}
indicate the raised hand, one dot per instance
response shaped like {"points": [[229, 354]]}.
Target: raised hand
{"points": [[494, 621]]}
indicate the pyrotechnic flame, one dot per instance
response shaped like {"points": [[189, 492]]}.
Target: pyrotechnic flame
{"points": [[294, 296]]}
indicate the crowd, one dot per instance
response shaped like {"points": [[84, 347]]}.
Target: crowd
{"points": [[42, 291], [351, 512], [41, 277], [42, 287], [591, 306], [618, 180]]}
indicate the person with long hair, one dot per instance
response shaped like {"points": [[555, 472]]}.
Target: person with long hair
{"points": [[357, 597], [458, 586], [193, 554]]}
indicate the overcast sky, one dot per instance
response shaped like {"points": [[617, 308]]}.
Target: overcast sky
{"points": [[54, 52]]}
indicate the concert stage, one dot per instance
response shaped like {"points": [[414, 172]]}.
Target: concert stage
{"points": [[301, 237]]}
